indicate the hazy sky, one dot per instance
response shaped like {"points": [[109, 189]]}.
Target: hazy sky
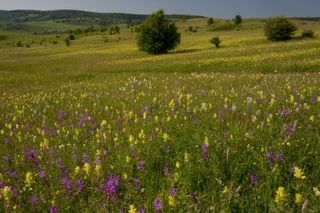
{"points": [[214, 8]]}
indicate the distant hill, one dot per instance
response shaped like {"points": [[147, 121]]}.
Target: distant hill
{"points": [[77, 17]]}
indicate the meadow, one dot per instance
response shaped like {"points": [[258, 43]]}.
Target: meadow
{"points": [[99, 126]]}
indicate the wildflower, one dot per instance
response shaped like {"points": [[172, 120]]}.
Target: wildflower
{"points": [[53, 209], [225, 190], [253, 179], [97, 169], [67, 184], [172, 201], [111, 186], [77, 170], [186, 157], [316, 191], [141, 164], [86, 168], [132, 209], [205, 152], [177, 165], [298, 198], [165, 137], [280, 195], [29, 179], [6, 193], [157, 204], [298, 173], [33, 200], [80, 185], [206, 141], [173, 192]]}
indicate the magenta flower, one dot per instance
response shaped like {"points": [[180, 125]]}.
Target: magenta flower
{"points": [[205, 151], [111, 186], [53, 209], [253, 179], [157, 204]]}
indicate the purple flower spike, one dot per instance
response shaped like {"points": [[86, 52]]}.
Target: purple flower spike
{"points": [[157, 204], [253, 179], [53, 209], [205, 151]]}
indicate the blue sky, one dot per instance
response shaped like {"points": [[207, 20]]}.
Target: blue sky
{"points": [[214, 8]]}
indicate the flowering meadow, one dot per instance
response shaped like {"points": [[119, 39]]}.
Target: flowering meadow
{"points": [[167, 142]]}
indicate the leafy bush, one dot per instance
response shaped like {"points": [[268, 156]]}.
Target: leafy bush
{"points": [[72, 37], [67, 42], [224, 27], [157, 34], [307, 34], [279, 29], [216, 41], [237, 19], [210, 21]]}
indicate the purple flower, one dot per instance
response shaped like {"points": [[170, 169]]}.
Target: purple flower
{"points": [[173, 191], [68, 185], [53, 209], [80, 185], [269, 155], [157, 204], [111, 186], [194, 198], [279, 156], [141, 211], [141, 164], [205, 151], [33, 200], [253, 179]]}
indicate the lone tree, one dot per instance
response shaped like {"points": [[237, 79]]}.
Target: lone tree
{"points": [[237, 19], [157, 34], [279, 29], [210, 21]]}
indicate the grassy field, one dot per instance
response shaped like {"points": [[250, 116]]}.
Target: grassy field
{"points": [[99, 126]]}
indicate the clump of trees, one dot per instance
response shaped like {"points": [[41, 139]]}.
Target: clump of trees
{"points": [[279, 29], [114, 30], [216, 41], [210, 21], [157, 34]]}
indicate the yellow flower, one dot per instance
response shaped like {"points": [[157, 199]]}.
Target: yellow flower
{"points": [[186, 157], [29, 179], [132, 209], [298, 198], [280, 195], [165, 137], [206, 141], [6, 193], [172, 201], [298, 173], [77, 170], [177, 165], [98, 169], [225, 190], [86, 168]]}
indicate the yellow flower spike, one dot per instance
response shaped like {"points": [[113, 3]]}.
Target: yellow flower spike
{"points": [[128, 159], [186, 157], [165, 137], [76, 170], [298, 198], [298, 173], [125, 176], [86, 168], [311, 118], [29, 179], [132, 209], [206, 141], [280, 196], [171, 201], [6, 193], [97, 169]]}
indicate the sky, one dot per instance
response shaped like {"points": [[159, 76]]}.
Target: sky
{"points": [[210, 8]]}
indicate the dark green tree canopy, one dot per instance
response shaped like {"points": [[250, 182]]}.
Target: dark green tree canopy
{"points": [[157, 34], [279, 29], [237, 19]]}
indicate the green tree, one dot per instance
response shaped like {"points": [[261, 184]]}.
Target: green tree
{"points": [[279, 29], [216, 41], [67, 42], [237, 19], [157, 34], [210, 21]]}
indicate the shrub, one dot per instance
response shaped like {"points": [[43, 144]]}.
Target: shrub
{"points": [[3, 37], [216, 41], [19, 44], [157, 34], [67, 42], [279, 29], [210, 21], [307, 34], [72, 37], [224, 27], [237, 19]]}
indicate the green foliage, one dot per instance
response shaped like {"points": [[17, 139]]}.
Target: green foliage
{"points": [[228, 26], [307, 34], [72, 37], [279, 29], [3, 37], [67, 42], [157, 34], [216, 41], [192, 30], [237, 19], [114, 30], [210, 21], [19, 44]]}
